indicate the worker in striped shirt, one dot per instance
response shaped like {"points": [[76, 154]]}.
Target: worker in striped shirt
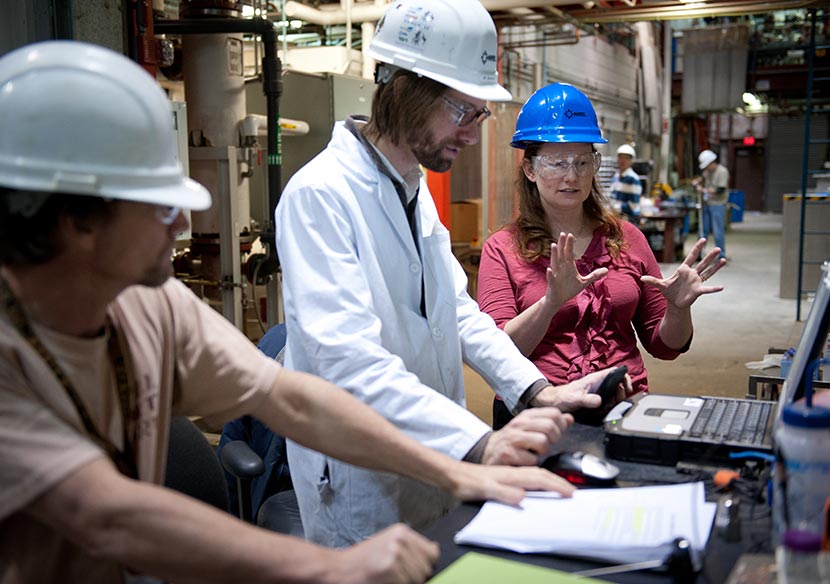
{"points": [[626, 187]]}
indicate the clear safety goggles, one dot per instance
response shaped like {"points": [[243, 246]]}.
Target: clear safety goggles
{"points": [[167, 214], [548, 166], [466, 115]]}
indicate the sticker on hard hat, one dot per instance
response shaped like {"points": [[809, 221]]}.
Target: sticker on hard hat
{"points": [[572, 114], [415, 27], [487, 57]]}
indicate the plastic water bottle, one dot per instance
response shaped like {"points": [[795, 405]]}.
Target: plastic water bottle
{"points": [[801, 485], [797, 558], [786, 362]]}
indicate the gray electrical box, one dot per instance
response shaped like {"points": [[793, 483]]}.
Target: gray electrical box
{"points": [[318, 99]]}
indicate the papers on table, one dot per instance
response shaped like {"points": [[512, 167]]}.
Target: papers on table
{"points": [[614, 525]]}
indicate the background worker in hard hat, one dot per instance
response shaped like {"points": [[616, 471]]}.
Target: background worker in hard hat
{"points": [[99, 347], [713, 186], [626, 187], [574, 286], [374, 299]]}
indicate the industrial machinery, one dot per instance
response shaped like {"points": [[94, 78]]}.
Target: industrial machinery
{"points": [[230, 134], [223, 144]]}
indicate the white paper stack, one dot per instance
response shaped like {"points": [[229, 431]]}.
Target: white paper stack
{"points": [[613, 525]]}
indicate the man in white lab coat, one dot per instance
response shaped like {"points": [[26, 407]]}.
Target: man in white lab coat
{"points": [[100, 347], [375, 300]]}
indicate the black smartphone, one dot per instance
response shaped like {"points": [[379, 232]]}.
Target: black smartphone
{"points": [[607, 390]]}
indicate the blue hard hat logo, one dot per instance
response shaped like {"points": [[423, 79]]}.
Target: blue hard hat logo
{"points": [[487, 57]]}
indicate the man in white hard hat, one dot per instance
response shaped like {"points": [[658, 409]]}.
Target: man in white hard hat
{"points": [[714, 188], [99, 347], [374, 299], [626, 187]]}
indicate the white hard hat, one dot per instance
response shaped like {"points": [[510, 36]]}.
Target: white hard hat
{"points": [[706, 158], [452, 42], [81, 119], [628, 150]]}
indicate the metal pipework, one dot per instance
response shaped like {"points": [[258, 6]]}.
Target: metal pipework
{"points": [[271, 85]]}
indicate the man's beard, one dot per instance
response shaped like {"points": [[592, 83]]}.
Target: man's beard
{"points": [[428, 153]]}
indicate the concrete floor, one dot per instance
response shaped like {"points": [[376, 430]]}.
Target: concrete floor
{"points": [[732, 327]]}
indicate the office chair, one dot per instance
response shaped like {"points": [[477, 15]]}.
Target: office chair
{"points": [[192, 465], [194, 469], [256, 463]]}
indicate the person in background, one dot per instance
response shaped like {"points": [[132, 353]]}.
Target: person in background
{"points": [[99, 347], [714, 188], [574, 286], [376, 303], [626, 187]]}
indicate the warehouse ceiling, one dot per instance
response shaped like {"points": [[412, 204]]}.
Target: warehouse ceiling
{"points": [[612, 11]]}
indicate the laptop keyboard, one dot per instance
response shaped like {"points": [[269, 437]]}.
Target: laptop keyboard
{"points": [[728, 420]]}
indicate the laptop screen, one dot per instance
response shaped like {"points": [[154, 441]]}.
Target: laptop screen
{"points": [[810, 346]]}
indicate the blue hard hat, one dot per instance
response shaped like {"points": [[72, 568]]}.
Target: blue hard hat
{"points": [[558, 112]]}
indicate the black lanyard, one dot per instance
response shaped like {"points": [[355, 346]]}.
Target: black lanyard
{"points": [[409, 207], [124, 460]]}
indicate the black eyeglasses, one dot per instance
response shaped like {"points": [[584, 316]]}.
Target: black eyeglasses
{"points": [[466, 115]]}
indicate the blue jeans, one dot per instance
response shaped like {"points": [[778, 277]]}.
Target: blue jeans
{"points": [[714, 221]]}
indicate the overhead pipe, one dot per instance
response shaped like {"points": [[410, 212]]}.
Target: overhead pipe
{"points": [[370, 11], [684, 12], [629, 13], [271, 85]]}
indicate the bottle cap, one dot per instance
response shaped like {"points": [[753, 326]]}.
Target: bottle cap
{"points": [[798, 414], [801, 541]]}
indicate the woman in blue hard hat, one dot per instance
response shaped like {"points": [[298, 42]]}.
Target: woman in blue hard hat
{"points": [[571, 283]]}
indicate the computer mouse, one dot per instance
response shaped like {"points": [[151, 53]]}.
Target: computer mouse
{"points": [[582, 469]]}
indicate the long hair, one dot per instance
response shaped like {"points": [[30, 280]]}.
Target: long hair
{"points": [[401, 107], [31, 239], [532, 234]]}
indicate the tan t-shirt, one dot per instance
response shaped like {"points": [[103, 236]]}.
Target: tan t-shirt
{"points": [[183, 359], [717, 179]]}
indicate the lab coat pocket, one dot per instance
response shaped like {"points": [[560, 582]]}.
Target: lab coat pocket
{"points": [[324, 484]]}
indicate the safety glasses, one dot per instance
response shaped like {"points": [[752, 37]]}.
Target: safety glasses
{"points": [[548, 166], [466, 115], [167, 214]]}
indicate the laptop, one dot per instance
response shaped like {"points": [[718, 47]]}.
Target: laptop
{"points": [[667, 429]]}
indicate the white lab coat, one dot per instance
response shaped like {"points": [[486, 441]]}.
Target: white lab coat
{"points": [[351, 285]]}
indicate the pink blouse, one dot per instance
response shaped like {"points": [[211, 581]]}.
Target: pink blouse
{"points": [[599, 327]]}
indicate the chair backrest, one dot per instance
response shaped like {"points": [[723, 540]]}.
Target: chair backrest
{"points": [[270, 447], [192, 465], [273, 341]]}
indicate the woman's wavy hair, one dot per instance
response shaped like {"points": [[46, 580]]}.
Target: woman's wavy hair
{"points": [[532, 234]]}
